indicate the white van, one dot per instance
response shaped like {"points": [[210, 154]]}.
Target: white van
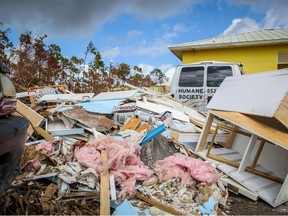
{"points": [[195, 84]]}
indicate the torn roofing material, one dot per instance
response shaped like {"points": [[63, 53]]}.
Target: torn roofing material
{"points": [[100, 122]]}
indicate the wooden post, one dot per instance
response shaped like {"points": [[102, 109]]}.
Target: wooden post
{"points": [[202, 142], [230, 139], [104, 187]]}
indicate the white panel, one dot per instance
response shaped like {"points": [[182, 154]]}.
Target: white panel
{"points": [[283, 194], [115, 95], [257, 94], [157, 108], [66, 97]]}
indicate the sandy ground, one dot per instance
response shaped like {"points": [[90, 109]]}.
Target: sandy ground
{"points": [[240, 205]]}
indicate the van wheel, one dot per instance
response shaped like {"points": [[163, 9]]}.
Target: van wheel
{"points": [[9, 170]]}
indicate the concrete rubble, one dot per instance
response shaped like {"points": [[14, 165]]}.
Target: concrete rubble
{"points": [[150, 168]]}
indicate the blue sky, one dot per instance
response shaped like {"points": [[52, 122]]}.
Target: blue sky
{"points": [[138, 32]]}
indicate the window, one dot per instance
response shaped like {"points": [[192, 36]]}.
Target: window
{"points": [[282, 60], [216, 75], [191, 77]]}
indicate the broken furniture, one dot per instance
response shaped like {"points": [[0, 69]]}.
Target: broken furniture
{"points": [[256, 152]]}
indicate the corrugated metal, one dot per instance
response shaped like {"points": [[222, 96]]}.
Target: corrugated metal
{"points": [[267, 36]]}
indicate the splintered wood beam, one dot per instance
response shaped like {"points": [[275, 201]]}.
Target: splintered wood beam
{"points": [[104, 187], [157, 204], [44, 133], [202, 142]]}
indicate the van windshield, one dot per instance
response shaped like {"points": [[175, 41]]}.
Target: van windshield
{"points": [[191, 77], [216, 75]]}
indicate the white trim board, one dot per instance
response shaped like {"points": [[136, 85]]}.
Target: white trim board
{"points": [[158, 108], [66, 97]]}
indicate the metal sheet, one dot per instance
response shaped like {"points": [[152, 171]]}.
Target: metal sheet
{"points": [[101, 106]]}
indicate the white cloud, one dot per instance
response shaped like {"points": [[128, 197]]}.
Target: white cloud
{"points": [[146, 68], [169, 73], [276, 16], [111, 53], [133, 34], [159, 45], [241, 25], [179, 27], [167, 69]]}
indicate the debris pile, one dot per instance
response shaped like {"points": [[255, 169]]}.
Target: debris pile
{"points": [[141, 134]]}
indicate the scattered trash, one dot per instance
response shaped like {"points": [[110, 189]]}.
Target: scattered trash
{"points": [[148, 164]]}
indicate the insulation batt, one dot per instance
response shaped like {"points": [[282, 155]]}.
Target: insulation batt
{"points": [[123, 161], [46, 147], [31, 166], [186, 169]]}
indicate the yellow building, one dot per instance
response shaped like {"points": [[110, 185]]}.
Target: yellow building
{"points": [[258, 51]]}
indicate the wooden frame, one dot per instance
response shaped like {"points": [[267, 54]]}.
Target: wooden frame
{"points": [[251, 168], [268, 186]]}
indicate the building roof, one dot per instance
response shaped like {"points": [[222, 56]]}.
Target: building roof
{"points": [[255, 38]]}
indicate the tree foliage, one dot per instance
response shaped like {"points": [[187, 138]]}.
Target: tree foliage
{"points": [[159, 76], [34, 63]]}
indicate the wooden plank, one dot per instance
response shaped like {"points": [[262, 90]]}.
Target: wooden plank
{"points": [[34, 118], [44, 133], [143, 127], [131, 124], [157, 204], [281, 113], [230, 139], [255, 127], [104, 187], [202, 142]]}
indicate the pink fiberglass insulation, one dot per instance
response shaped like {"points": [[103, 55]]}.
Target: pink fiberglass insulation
{"points": [[187, 169], [46, 147], [31, 165], [89, 157], [123, 161]]}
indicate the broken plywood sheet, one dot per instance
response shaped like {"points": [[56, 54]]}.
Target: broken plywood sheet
{"points": [[115, 95], [34, 118], [66, 97], [262, 94], [99, 122], [157, 108], [258, 128]]}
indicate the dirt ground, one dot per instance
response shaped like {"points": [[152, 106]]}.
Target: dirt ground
{"points": [[240, 205]]}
